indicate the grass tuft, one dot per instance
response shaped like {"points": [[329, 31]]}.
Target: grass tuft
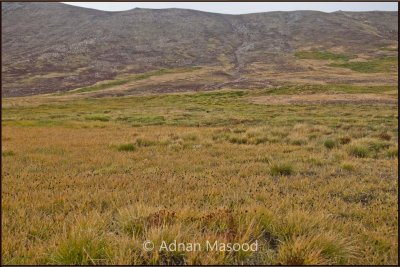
{"points": [[347, 166], [358, 151], [81, 249], [329, 143], [282, 169], [126, 147], [392, 153]]}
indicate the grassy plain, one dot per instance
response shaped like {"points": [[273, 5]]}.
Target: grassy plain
{"points": [[86, 181]]}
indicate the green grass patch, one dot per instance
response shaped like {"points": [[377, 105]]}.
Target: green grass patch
{"points": [[368, 147], [384, 64], [36, 123], [217, 108], [321, 55], [377, 145]]}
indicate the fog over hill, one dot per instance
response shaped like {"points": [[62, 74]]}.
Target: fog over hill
{"points": [[50, 47]]}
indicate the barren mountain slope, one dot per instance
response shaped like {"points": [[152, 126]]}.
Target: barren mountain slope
{"points": [[51, 47]]}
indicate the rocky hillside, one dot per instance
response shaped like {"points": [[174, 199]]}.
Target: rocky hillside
{"points": [[51, 47]]}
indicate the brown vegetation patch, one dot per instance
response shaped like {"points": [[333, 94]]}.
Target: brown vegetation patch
{"points": [[325, 99]]}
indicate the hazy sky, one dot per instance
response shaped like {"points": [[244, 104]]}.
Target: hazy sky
{"points": [[243, 7]]}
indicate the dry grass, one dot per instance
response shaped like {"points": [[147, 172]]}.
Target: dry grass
{"points": [[325, 99], [90, 191]]}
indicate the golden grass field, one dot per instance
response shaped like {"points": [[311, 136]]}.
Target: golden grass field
{"points": [[86, 181]]}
